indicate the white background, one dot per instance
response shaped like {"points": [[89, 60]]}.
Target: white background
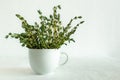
{"points": [[94, 56], [98, 36]]}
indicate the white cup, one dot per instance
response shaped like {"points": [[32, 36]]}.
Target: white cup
{"points": [[44, 61]]}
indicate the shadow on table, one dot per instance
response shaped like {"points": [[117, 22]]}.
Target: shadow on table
{"points": [[16, 71]]}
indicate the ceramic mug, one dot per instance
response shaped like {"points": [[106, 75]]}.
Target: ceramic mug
{"points": [[44, 61]]}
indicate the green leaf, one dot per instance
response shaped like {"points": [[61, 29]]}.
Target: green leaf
{"points": [[82, 22], [65, 44], [59, 6], [39, 12], [79, 17], [6, 36], [23, 45], [72, 40]]}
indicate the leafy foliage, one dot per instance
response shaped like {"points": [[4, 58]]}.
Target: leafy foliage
{"points": [[48, 34]]}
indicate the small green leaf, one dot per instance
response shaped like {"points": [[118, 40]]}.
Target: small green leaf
{"points": [[6, 36], [39, 12], [23, 45], [65, 44], [75, 17], [10, 33], [59, 6], [77, 24], [82, 22], [79, 17], [72, 40]]}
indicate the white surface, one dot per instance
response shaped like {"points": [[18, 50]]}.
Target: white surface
{"points": [[77, 68]]}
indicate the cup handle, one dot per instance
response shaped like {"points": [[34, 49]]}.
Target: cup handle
{"points": [[65, 54]]}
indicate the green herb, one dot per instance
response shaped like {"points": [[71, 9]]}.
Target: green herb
{"points": [[49, 33]]}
